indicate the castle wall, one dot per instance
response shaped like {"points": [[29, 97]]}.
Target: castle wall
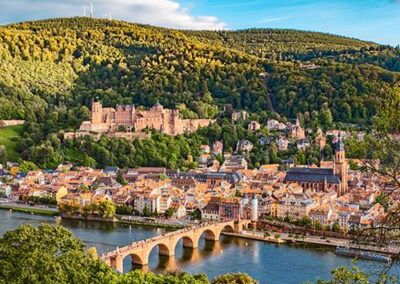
{"points": [[164, 120]]}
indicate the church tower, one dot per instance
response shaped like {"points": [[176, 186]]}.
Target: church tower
{"points": [[97, 112], [340, 164]]}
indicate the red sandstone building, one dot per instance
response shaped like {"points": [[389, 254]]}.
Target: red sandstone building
{"points": [[121, 118]]}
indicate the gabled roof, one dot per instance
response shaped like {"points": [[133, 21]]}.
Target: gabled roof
{"points": [[311, 175]]}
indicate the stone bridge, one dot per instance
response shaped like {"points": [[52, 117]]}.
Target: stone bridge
{"points": [[140, 251]]}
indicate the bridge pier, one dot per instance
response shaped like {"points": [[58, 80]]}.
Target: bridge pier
{"points": [[117, 262]]}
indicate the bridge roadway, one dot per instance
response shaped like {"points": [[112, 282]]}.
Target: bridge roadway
{"points": [[140, 251]]}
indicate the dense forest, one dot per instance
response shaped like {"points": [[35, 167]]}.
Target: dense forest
{"points": [[51, 71]]}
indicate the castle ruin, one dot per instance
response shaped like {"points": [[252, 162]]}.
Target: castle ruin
{"points": [[168, 121]]}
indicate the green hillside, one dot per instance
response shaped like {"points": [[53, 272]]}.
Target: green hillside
{"points": [[8, 138], [51, 70], [71, 61]]}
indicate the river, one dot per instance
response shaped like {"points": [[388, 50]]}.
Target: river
{"points": [[266, 262]]}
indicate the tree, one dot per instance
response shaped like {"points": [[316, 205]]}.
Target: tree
{"points": [[169, 212], [3, 155], [147, 212], [106, 209], [336, 227], [124, 210], [26, 166], [121, 180], [317, 225], [384, 145], [47, 254], [354, 275], [234, 278]]}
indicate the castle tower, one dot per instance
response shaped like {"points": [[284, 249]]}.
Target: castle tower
{"points": [[340, 165], [97, 112]]}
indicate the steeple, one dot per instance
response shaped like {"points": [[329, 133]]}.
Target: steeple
{"points": [[340, 165], [339, 143]]}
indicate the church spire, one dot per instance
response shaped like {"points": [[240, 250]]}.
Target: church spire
{"points": [[339, 143]]}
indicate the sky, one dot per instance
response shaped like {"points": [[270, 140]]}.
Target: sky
{"points": [[373, 20]]}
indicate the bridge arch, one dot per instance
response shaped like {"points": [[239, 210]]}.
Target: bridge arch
{"points": [[188, 241], [210, 234], [163, 249], [228, 228], [135, 258]]}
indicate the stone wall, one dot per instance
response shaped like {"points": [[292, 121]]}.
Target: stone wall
{"points": [[5, 123]]}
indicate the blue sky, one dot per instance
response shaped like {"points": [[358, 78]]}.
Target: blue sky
{"points": [[374, 20]]}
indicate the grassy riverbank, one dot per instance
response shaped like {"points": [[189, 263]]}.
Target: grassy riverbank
{"points": [[30, 210]]}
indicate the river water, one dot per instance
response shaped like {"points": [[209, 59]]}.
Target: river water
{"points": [[266, 262]]}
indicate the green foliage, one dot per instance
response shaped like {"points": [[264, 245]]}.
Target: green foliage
{"points": [[26, 166], [304, 221], [46, 254], [51, 254], [124, 210], [106, 209], [52, 70], [9, 137], [42, 200], [169, 212], [120, 179], [3, 155], [234, 278]]}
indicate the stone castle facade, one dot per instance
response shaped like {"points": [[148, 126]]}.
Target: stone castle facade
{"points": [[121, 118]]}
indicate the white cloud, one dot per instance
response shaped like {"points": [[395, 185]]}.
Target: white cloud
{"points": [[165, 13]]}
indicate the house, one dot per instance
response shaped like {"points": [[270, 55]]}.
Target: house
{"points": [[295, 131], [236, 115], [210, 212], [273, 124], [234, 163], [320, 140], [321, 214], [178, 209], [230, 209], [111, 171], [265, 140], [283, 143], [295, 205], [165, 203], [253, 126], [244, 146], [5, 190], [152, 203], [205, 149], [269, 169], [303, 144], [218, 148]]}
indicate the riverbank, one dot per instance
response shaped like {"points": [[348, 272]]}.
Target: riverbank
{"points": [[122, 220], [150, 224], [254, 237], [331, 243], [29, 209]]}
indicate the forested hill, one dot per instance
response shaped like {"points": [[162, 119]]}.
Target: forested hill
{"points": [[56, 67]]}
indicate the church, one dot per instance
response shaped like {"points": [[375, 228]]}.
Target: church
{"points": [[127, 118], [323, 179]]}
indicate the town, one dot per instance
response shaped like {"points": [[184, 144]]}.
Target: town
{"points": [[330, 198]]}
